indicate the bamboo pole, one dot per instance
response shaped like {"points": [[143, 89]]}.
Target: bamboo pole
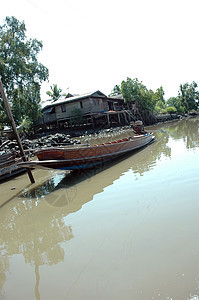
{"points": [[7, 107]]}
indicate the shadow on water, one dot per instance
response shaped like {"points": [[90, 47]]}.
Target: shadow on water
{"points": [[61, 181], [61, 190], [35, 224], [187, 130]]}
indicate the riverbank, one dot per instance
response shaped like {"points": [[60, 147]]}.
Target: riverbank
{"points": [[76, 135], [10, 168], [80, 130]]}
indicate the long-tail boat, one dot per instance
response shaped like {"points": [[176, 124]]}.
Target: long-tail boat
{"points": [[9, 165], [87, 156]]}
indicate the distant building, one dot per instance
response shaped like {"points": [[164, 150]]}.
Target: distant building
{"points": [[91, 106]]}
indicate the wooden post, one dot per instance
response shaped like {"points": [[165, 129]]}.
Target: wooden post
{"points": [[108, 119], [57, 124], [7, 106], [119, 121], [125, 118], [93, 122]]}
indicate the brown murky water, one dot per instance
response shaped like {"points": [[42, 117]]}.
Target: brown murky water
{"points": [[126, 231]]}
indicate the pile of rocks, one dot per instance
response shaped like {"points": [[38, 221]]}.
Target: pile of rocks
{"points": [[58, 139], [31, 145]]}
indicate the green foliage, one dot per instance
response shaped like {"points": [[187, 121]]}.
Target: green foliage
{"points": [[134, 91], [20, 71], [55, 93], [76, 116], [146, 99], [159, 95], [175, 102], [171, 110], [130, 90], [116, 91], [160, 105], [25, 127], [159, 109], [189, 96]]}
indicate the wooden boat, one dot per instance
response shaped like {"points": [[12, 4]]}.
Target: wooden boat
{"points": [[9, 165], [87, 156]]}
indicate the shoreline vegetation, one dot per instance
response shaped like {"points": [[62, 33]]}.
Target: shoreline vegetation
{"points": [[22, 76]]}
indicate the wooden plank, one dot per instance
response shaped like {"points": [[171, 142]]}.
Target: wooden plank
{"points": [[15, 130]]}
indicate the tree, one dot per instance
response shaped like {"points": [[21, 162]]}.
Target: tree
{"points": [[55, 93], [171, 110], [134, 91], [159, 100], [116, 91], [130, 90], [175, 102], [20, 71], [189, 96]]}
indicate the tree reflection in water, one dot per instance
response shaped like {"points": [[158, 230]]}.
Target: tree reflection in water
{"points": [[187, 130], [31, 227], [36, 234], [37, 231]]}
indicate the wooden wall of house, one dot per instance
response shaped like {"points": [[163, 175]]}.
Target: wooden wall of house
{"points": [[48, 118], [66, 110], [86, 106], [98, 105], [69, 107]]}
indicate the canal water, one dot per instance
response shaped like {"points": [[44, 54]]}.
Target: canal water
{"points": [[129, 230]]}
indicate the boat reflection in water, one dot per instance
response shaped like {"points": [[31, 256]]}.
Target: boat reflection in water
{"points": [[62, 191], [38, 235], [35, 224]]}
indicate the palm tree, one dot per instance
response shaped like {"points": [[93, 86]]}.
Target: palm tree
{"points": [[55, 93]]}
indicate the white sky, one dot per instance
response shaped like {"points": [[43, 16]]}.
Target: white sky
{"points": [[95, 44]]}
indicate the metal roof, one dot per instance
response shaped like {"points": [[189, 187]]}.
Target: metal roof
{"points": [[75, 98], [61, 101]]}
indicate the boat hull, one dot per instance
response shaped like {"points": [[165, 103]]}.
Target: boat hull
{"points": [[66, 158]]}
